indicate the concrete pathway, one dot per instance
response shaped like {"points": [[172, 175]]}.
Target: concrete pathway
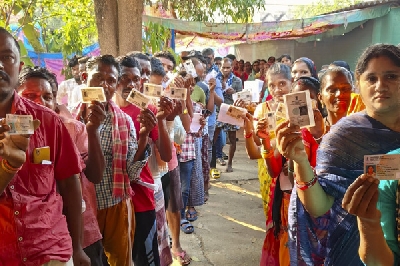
{"points": [[230, 229]]}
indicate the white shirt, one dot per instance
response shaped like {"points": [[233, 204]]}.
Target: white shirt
{"points": [[65, 91], [76, 96]]}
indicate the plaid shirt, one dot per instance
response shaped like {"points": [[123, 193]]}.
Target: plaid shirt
{"points": [[104, 190], [188, 150]]}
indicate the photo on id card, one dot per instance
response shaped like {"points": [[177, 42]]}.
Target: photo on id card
{"points": [[299, 109]]}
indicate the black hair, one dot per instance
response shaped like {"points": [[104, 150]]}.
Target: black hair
{"points": [[128, 61], [38, 72], [281, 69], [218, 58], [314, 85], [388, 50], [138, 55], [83, 59], [231, 57], [241, 60], [271, 57], [6, 32], [73, 61], [157, 67], [207, 52], [263, 60], [104, 59], [287, 56], [255, 61], [335, 70], [227, 59], [166, 55]]}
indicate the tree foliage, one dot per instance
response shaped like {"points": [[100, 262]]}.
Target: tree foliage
{"points": [[206, 11], [321, 7], [52, 26]]}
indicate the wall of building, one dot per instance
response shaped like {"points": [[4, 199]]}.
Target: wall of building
{"points": [[345, 47]]}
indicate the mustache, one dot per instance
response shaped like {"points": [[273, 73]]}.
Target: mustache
{"points": [[4, 75]]}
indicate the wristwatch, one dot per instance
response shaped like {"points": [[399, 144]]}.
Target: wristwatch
{"points": [[185, 112]]}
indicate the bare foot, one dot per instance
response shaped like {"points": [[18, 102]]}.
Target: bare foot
{"points": [[181, 255], [229, 169]]}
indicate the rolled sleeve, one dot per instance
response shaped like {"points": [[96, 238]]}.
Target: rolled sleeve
{"points": [[135, 168]]}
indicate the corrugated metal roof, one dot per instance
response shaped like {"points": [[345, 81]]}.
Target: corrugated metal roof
{"points": [[366, 5]]}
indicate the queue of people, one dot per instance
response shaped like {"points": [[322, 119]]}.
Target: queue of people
{"points": [[109, 183]]}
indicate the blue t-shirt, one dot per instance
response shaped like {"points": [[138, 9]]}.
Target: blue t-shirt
{"points": [[212, 119]]}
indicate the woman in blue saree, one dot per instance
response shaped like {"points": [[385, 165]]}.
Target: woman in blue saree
{"points": [[340, 161]]}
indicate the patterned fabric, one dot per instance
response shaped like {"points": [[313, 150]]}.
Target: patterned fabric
{"points": [[196, 194], [204, 161], [333, 239], [104, 189], [229, 81], [275, 250], [187, 148], [162, 227], [120, 135], [216, 69], [267, 187], [227, 127]]}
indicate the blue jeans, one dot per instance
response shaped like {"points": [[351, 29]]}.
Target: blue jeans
{"points": [[186, 169], [220, 144]]}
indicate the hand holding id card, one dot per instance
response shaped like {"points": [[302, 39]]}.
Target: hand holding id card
{"points": [[382, 166]]}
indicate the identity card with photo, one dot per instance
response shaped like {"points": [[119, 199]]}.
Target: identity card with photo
{"points": [[299, 109], [382, 166], [176, 93], [242, 95], [138, 99], [93, 94], [189, 67], [152, 90], [19, 124]]}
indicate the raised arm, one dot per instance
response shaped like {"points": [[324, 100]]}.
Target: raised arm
{"points": [[289, 143]]}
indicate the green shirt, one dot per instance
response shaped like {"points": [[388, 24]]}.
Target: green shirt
{"points": [[387, 206], [198, 96]]}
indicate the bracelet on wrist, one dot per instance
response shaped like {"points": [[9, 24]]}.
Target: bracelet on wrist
{"points": [[266, 154], [247, 136], [306, 185], [5, 165]]}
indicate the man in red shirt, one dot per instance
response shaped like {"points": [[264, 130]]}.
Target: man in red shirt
{"points": [[145, 248], [33, 229]]}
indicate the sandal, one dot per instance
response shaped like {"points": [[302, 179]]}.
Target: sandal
{"points": [[191, 215], [182, 257], [186, 226], [215, 173]]}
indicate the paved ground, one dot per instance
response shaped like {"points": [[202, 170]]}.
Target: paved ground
{"points": [[231, 226]]}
